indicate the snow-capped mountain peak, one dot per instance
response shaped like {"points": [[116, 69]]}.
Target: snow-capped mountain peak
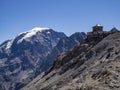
{"points": [[32, 32]]}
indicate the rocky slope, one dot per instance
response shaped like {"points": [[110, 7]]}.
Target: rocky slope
{"points": [[63, 45], [92, 65]]}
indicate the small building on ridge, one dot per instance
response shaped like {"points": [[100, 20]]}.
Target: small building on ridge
{"points": [[97, 30]]}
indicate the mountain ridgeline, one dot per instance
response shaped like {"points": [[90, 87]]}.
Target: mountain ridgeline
{"points": [[93, 64], [31, 53]]}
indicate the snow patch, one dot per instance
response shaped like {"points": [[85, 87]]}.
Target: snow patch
{"points": [[25, 74], [48, 32], [58, 39], [8, 44]]}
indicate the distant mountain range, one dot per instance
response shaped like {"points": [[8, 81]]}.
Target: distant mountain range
{"points": [[31, 53]]}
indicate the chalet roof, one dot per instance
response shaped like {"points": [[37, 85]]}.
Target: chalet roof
{"points": [[97, 25]]}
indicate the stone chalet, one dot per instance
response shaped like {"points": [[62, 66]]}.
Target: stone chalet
{"points": [[97, 30]]}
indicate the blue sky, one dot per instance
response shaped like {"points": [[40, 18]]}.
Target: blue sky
{"points": [[67, 16]]}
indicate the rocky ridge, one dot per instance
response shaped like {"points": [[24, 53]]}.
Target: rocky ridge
{"points": [[92, 65]]}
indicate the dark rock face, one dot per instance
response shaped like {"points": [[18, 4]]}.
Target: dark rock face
{"points": [[63, 45], [26, 56], [20, 59], [88, 66]]}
